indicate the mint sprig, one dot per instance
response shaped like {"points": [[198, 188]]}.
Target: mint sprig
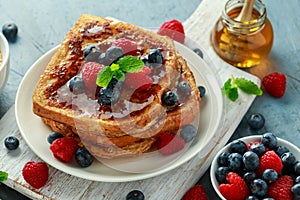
{"points": [[130, 64], [3, 176], [232, 85]]}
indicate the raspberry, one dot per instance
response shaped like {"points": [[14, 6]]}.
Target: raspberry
{"points": [[270, 160], [89, 74], [252, 143], [196, 192], [236, 189], [274, 83], [35, 174], [174, 29], [128, 46], [281, 189], [169, 143], [139, 80], [64, 148]]}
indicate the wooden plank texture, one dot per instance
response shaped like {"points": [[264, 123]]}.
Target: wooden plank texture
{"points": [[171, 185]]}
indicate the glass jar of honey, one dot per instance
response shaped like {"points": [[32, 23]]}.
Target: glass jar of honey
{"points": [[242, 43]]}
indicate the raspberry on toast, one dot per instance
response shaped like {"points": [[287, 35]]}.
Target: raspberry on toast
{"points": [[130, 126]]}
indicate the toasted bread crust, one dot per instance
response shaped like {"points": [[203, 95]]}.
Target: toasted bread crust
{"points": [[130, 133]]}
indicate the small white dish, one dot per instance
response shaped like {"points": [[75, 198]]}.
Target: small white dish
{"points": [[4, 64], [214, 165]]}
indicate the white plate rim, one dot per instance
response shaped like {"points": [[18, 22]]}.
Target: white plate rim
{"points": [[101, 177]]}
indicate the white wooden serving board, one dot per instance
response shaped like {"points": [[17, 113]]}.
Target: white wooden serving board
{"points": [[171, 185]]}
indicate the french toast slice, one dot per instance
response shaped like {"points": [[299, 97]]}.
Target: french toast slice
{"points": [[119, 130]]}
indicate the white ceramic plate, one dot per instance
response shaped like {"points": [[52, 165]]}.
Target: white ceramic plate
{"points": [[35, 132]]}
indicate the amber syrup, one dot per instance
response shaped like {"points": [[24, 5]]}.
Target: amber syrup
{"points": [[243, 50]]}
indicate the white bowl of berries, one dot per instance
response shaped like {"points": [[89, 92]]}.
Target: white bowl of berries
{"points": [[257, 167], [4, 60]]}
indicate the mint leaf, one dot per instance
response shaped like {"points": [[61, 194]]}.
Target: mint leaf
{"points": [[119, 75], [230, 90], [104, 77], [130, 64], [114, 67], [248, 86], [231, 86], [3, 176]]}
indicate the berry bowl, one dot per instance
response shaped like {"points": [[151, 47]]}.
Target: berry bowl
{"points": [[256, 167], [4, 60]]}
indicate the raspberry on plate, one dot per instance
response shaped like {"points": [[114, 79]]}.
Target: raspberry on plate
{"points": [[281, 189], [235, 189], [174, 29], [197, 192], [129, 47], [64, 148], [35, 174], [275, 84], [89, 74], [169, 143], [139, 80]]}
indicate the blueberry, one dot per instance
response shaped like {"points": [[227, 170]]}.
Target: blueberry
{"points": [[251, 160], [235, 161], [102, 59], [202, 90], [238, 146], [155, 58], [269, 140], [91, 52], [108, 96], [83, 157], [198, 52], [296, 191], [249, 177], [11, 143], [53, 136], [170, 98], [297, 168], [268, 198], [113, 53], [114, 83], [135, 195], [252, 198], [184, 89], [223, 159], [259, 187], [259, 149], [76, 85], [256, 121], [221, 174], [270, 176], [188, 133], [10, 31], [281, 150], [297, 179], [288, 159]]}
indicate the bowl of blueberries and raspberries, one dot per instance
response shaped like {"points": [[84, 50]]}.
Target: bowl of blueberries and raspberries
{"points": [[257, 167]]}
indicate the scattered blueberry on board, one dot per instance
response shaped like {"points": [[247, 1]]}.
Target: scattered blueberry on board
{"points": [[11, 143], [135, 195], [256, 121], [10, 31]]}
